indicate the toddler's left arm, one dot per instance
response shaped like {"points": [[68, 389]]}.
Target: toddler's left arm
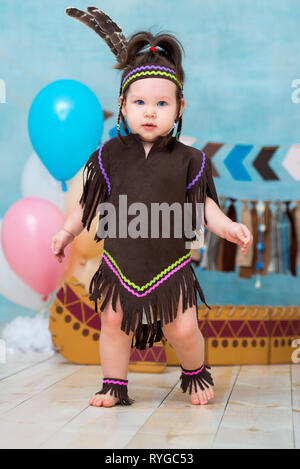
{"points": [[224, 227]]}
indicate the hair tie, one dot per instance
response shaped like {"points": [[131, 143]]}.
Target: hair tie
{"points": [[151, 49]]}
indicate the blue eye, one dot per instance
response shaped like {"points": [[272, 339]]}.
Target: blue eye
{"points": [[140, 100]]}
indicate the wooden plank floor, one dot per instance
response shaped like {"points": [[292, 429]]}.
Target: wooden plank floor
{"points": [[44, 404]]}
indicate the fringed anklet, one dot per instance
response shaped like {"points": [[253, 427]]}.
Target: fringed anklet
{"points": [[200, 376], [118, 388]]}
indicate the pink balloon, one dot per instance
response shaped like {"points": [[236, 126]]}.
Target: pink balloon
{"points": [[27, 230]]}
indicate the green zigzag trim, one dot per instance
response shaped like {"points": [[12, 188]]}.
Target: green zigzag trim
{"points": [[155, 279], [154, 72]]}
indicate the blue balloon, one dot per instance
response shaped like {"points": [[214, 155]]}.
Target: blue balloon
{"points": [[65, 125]]}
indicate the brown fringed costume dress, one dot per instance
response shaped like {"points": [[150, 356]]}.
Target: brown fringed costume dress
{"points": [[146, 273]]}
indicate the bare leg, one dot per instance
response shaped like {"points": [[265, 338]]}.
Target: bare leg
{"points": [[185, 337], [115, 348]]}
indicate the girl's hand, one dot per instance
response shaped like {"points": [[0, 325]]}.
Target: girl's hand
{"points": [[239, 234], [59, 241]]}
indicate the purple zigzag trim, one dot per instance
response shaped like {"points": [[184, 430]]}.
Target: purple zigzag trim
{"points": [[198, 175], [193, 372], [154, 286], [114, 382], [150, 67], [102, 167]]}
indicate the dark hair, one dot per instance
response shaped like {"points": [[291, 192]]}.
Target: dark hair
{"points": [[171, 57]]}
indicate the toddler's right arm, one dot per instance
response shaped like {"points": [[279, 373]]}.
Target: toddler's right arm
{"points": [[96, 187], [72, 228]]}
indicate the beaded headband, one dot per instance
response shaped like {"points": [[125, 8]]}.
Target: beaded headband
{"points": [[150, 71]]}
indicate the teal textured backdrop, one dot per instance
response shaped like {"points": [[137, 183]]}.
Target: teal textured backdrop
{"points": [[241, 59]]}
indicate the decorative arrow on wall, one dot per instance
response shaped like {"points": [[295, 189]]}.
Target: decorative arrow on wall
{"points": [[291, 162], [234, 162], [237, 167], [261, 163]]}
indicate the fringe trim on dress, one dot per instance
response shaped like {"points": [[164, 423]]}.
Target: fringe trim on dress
{"points": [[118, 388], [95, 191], [193, 378], [163, 301], [201, 186]]}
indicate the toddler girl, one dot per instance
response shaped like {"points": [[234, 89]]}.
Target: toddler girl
{"points": [[145, 279]]}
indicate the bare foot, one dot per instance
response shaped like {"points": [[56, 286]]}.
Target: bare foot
{"points": [[107, 400], [202, 397]]}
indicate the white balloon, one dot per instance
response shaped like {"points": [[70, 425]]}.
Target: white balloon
{"points": [[37, 182], [13, 288]]}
